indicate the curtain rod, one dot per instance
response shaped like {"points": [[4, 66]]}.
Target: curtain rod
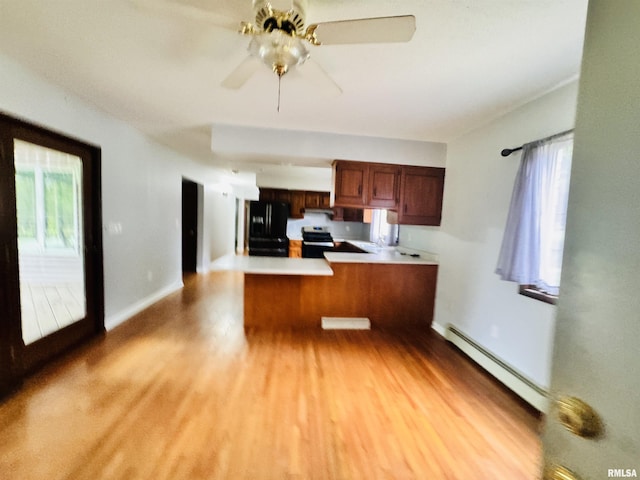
{"points": [[508, 151]]}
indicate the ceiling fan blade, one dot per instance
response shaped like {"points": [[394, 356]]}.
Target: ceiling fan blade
{"points": [[313, 73], [366, 30], [242, 73]]}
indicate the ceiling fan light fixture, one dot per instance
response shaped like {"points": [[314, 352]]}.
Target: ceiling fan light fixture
{"points": [[278, 50]]}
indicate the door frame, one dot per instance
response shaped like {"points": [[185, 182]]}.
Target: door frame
{"points": [[18, 360]]}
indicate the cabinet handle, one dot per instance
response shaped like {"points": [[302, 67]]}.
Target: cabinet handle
{"points": [[375, 194], [405, 208], [359, 189]]}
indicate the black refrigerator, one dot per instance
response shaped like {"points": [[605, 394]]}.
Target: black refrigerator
{"points": [[268, 229]]}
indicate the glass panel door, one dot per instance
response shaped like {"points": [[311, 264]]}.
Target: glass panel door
{"points": [[49, 206], [51, 285]]}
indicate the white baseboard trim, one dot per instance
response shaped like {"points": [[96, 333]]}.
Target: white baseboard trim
{"points": [[112, 321], [533, 394], [346, 323], [439, 329]]}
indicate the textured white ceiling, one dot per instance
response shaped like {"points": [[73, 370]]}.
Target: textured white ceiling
{"points": [[158, 64]]}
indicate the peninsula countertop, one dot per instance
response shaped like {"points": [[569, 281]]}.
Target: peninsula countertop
{"points": [[376, 254], [322, 266], [273, 265]]}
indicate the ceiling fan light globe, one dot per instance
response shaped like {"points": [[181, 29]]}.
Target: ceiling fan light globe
{"points": [[278, 50]]}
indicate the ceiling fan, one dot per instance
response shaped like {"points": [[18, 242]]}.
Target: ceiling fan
{"points": [[280, 40]]}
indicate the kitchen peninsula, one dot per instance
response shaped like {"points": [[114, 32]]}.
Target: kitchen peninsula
{"points": [[391, 287]]}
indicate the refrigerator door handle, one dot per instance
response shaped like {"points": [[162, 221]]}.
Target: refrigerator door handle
{"points": [[268, 219]]}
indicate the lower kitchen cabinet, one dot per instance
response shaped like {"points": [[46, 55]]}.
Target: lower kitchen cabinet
{"points": [[295, 248]]}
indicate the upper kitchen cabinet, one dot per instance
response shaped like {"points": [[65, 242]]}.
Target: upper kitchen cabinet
{"points": [[411, 195], [299, 200], [341, 214], [325, 200], [365, 185], [350, 181], [312, 199], [297, 204], [421, 190], [384, 185], [275, 195]]}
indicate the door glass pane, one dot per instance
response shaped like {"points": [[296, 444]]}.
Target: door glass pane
{"points": [[50, 239]]}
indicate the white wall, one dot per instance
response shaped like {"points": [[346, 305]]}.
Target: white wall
{"points": [[478, 186], [231, 139], [141, 192], [220, 230], [316, 179], [339, 230]]}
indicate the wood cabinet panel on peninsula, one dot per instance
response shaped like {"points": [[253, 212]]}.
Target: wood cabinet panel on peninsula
{"points": [[390, 295]]}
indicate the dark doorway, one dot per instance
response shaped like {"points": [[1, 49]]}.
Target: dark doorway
{"points": [[51, 235], [189, 226]]}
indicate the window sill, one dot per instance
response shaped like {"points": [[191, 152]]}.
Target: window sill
{"points": [[532, 292]]}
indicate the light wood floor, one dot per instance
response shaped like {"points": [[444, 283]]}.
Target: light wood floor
{"points": [[47, 308], [181, 392]]}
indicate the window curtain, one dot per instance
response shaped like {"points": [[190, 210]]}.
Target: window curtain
{"points": [[531, 252], [381, 232]]}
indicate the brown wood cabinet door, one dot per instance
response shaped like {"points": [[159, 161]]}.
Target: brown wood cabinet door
{"points": [[353, 215], [267, 195], [312, 200], [283, 196], [275, 195], [325, 200], [350, 184], [421, 196], [384, 186], [297, 203]]}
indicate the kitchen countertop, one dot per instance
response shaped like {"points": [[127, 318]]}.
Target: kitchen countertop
{"points": [[376, 254], [273, 265], [322, 267]]}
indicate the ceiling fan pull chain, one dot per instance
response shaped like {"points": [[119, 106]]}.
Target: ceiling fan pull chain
{"points": [[279, 80]]}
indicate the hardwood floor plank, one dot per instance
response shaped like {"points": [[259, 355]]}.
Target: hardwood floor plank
{"points": [[184, 391]]}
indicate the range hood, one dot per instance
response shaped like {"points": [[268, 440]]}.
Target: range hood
{"points": [[328, 211]]}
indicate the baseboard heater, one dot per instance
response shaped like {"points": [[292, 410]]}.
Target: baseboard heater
{"points": [[505, 373], [346, 323]]}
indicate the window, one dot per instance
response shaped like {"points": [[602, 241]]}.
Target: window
{"points": [[533, 243], [26, 205], [381, 232], [47, 195]]}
